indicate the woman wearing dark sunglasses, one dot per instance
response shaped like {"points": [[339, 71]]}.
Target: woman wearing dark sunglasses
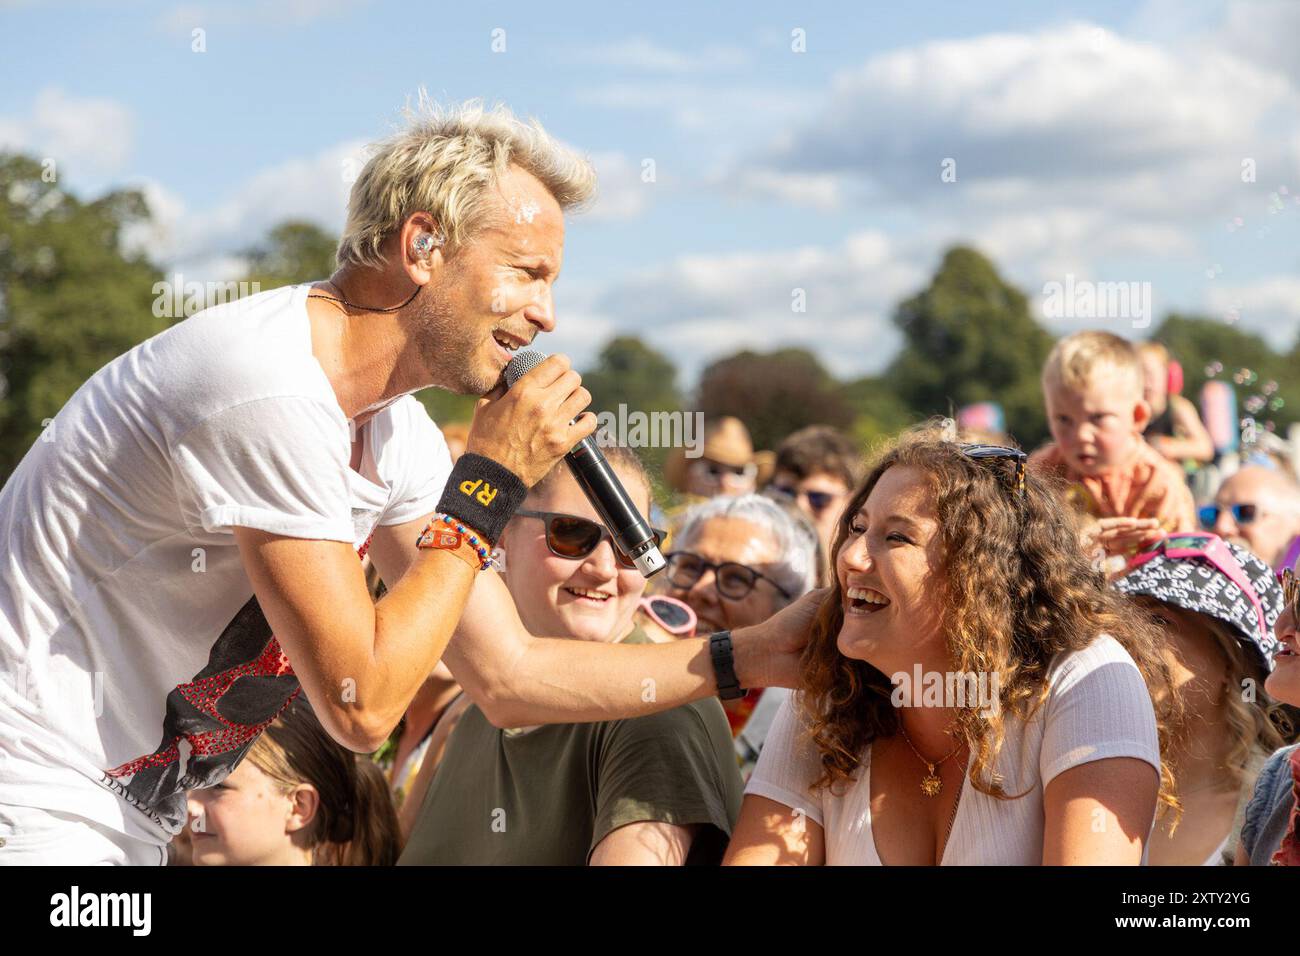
{"points": [[660, 789], [950, 564]]}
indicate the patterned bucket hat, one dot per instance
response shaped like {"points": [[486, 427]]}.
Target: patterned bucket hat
{"points": [[1196, 584]]}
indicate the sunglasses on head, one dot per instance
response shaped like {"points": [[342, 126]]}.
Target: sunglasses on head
{"points": [[733, 580], [1211, 548], [819, 501], [572, 537], [1241, 514], [1000, 453]]}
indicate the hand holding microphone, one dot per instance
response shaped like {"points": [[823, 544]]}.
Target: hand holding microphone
{"points": [[534, 419], [627, 526], [528, 426]]}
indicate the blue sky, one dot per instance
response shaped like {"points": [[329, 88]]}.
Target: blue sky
{"points": [[1100, 140]]}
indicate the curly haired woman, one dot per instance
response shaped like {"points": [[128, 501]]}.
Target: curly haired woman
{"points": [[950, 565]]}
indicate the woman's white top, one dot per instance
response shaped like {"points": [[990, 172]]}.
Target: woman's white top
{"points": [[1097, 707]]}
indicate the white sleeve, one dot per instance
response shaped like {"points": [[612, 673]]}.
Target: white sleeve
{"points": [[1098, 707], [276, 464], [788, 764], [426, 465]]}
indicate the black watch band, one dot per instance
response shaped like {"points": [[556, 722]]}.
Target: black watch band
{"points": [[724, 666]]}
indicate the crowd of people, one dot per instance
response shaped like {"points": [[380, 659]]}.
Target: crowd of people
{"points": [[1140, 648], [264, 611]]}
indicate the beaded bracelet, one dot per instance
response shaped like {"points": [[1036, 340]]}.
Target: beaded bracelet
{"points": [[449, 534]]}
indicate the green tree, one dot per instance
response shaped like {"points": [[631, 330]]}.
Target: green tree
{"points": [[446, 407], [631, 373], [70, 299], [292, 252], [879, 413], [1198, 343], [969, 337], [774, 394]]}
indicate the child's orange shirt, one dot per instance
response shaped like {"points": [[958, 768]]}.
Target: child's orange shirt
{"points": [[1151, 486]]}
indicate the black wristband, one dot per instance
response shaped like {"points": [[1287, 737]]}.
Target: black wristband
{"points": [[724, 666], [483, 494]]}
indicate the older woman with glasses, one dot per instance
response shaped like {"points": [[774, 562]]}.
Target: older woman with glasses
{"points": [[737, 561]]}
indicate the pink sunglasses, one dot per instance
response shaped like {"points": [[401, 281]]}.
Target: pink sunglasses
{"points": [[1212, 548], [674, 616]]}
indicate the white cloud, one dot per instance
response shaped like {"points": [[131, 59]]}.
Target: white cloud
{"points": [[1075, 113], [723, 111], [187, 16], [701, 307], [313, 188], [818, 190], [1265, 32], [640, 53], [90, 138], [1269, 306], [621, 194], [1071, 145]]}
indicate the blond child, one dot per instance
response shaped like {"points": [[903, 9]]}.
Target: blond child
{"points": [[1127, 492]]}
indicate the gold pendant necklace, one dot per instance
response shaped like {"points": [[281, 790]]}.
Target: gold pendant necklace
{"points": [[931, 783]]}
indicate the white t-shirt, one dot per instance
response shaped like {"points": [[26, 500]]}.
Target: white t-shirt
{"points": [[1098, 706], [135, 662]]}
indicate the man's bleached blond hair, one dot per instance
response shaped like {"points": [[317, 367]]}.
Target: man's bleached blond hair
{"points": [[446, 162], [1078, 360]]}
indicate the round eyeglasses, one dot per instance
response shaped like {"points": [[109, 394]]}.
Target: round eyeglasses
{"points": [[733, 581]]}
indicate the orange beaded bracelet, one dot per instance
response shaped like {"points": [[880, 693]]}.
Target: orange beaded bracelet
{"points": [[445, 533]]}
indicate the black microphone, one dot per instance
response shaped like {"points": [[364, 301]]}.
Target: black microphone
{"points": [[631, 532]]}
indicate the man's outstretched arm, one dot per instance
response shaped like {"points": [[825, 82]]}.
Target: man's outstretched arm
{"points": [[518, 679]]}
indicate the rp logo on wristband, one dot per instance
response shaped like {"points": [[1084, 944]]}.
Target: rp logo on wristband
{"points": [[484, 496]]}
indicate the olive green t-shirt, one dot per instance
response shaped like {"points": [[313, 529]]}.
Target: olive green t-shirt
{"points": [[548, 796]]}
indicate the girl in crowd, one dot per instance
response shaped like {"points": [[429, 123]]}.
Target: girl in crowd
{"points": [[1270, 833], [297, 799], [1041, 744], [1216, 604]]}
